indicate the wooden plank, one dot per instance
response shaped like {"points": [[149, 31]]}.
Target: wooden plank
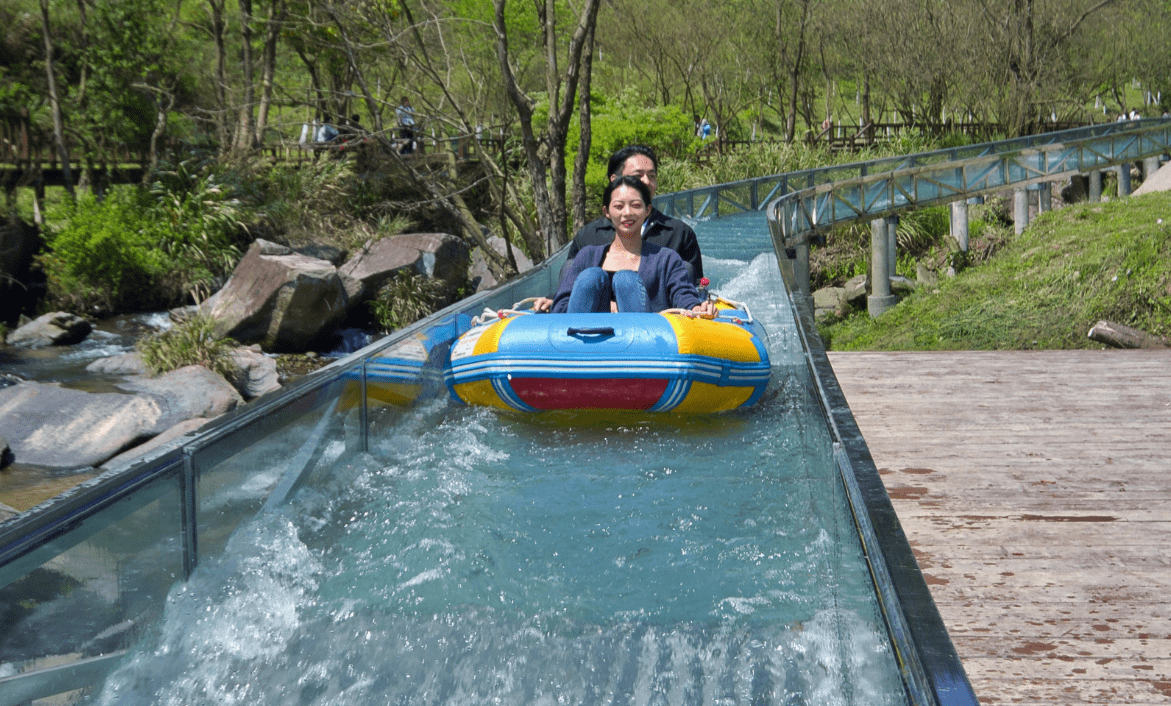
{"points": [[1033, 489]]}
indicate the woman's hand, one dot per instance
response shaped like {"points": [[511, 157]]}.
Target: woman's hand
{"points": [[706, 309], [542, 305]]}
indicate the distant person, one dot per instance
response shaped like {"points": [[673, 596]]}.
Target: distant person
{"points": [[406, 125], [826, 124], [327, 132], [705, 129], [640, 162]]}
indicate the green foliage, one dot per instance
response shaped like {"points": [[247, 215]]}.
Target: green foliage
{"points": [[104, 256], [1044, 289], [404, 300], [191, 342], [139, 249]]}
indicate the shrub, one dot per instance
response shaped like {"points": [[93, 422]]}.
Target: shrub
{"points": [[191, 342], [149, 249], [404, 300], [104, 256]]}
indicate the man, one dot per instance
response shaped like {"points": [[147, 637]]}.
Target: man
{"points": [[639, 162], [406, 124]]}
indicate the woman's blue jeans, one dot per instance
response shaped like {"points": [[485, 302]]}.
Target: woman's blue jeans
{"points": [[592, 292]]}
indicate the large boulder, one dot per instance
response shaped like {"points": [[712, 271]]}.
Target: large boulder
{"points": [[256, 373], [186, 393], [438, 256], [281, 299], [180, 429], [480, 267], [19, 244], [61, 428], [1159, 181], [121, 364], [56, 329]]}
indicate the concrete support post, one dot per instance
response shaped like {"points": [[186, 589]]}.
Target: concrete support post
{"points": [[1150, 166], [1124, 179], [880, 298], [1044, 197], [1095, 186], [892, 245], [801, 268], [959, 224], [1020, 210]]}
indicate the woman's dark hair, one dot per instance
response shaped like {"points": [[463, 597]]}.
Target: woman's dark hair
{"points": [[626, 181]]}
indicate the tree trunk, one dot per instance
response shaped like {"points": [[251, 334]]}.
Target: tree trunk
{"points": [[216, 8], [545, 154], [583, 145], [276, 16], [245, 130], [55, 102]]}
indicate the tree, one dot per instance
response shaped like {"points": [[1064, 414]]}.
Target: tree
{"points": [[545, 151]]}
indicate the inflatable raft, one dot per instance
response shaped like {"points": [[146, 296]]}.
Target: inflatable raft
{"points": [[668, 361]]}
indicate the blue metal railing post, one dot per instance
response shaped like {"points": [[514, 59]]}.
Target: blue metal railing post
{"points": [[364, 434], [187, 514]]}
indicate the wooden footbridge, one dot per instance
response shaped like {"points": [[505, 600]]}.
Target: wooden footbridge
{"points": [[1033, 488]]}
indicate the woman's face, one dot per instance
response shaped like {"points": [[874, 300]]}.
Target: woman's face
{"points": [[627, 210]]}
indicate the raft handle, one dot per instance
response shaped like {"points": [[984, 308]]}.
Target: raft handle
{"points": [[590, 331]]}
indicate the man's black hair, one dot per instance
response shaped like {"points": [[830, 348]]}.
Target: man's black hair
{"points": [[618, 159]]}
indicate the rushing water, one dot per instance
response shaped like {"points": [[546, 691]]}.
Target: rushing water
{"points": [[484, 557]]}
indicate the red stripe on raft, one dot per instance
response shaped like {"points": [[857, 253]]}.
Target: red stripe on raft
{"points": [[589, 393]]}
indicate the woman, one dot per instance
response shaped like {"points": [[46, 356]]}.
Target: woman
{"points": [[627, 275]]}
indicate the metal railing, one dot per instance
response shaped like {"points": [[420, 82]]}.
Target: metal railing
{"points": [[1100, 146], [962, 173]]}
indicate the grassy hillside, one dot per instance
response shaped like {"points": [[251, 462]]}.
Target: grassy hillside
{"points": [[1044, 290]]}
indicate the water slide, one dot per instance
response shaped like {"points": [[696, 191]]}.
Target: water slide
{"points": [[359, 538]]}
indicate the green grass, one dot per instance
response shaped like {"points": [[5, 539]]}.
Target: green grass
{"points": [[192, 342], [1043, 290]]}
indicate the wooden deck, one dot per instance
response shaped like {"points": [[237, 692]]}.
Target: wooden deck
{"points": [[1034, 488]]}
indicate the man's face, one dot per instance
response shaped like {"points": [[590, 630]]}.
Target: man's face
{"points": [[642, 168]]}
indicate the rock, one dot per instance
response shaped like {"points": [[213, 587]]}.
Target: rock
{"points": [[439, 256], [856, 290], [257, 373], [121, 364], [282, 301], [186, 393], [901, 285], [828, 300], [61, 428], [66, 429], [6, 456], [169, 435], [333, 255], [56, 329], [480, 263], [7, 513], [1121, 336], [1159, 181], [925, 276], [19, 244]]}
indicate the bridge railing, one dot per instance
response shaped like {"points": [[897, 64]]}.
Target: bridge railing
{"points": [[965, 173]]}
